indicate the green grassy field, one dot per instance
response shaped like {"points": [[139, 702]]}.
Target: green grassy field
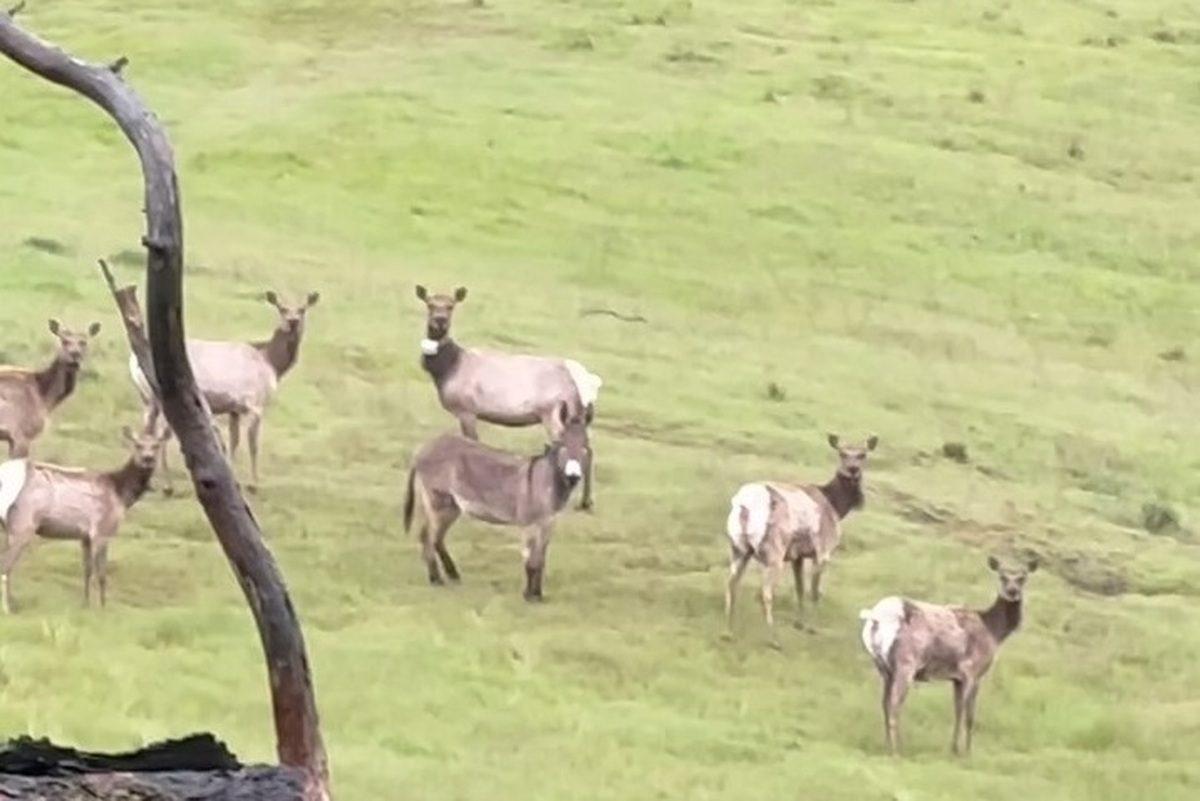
{"points": [[937, 222]]}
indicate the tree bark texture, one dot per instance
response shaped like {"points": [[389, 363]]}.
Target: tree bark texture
{"points": [[298, 736]]}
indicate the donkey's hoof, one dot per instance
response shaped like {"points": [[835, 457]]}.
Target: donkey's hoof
{"points": [[586, 507]]}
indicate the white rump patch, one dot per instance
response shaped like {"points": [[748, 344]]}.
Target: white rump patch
{"points": [[139, 379], [573, 469], [13, 475], [429, 347], [881, 626], [586, 383], [755, 499]]}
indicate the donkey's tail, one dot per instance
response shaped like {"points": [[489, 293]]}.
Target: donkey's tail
{"points": [[13, 475], [409, 500]]}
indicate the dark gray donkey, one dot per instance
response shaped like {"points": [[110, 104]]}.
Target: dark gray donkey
{"points": [[452, 474], [506, 389]]}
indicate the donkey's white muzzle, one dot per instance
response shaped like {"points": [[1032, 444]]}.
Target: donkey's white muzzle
{"points": [[429, 347], [573, 469]]}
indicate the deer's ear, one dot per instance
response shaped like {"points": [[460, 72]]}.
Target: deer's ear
{"points": [[833, 441], [422, 293], [460, 294], [313, 297], [270, 297], [564, 413], [93, 329], [55, 326], [872, 441], [1032, 565], [993, 563], [127, 433]]}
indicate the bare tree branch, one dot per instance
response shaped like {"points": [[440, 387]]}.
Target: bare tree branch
{"points": [[297, 729]]}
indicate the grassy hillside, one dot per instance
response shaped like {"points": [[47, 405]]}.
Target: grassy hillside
{"points": [[937, 222]]}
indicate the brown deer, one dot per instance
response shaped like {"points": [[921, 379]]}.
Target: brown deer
{"points": [[67, 503], [453, 474], [238, 379], [917, 641], [27, 397], [507, 389], [773, 523]]}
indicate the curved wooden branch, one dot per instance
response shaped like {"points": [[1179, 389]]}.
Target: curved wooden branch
{"points": [[297, 727]]}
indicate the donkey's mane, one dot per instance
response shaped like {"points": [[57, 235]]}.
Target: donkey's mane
{"points": [[441, 365]]}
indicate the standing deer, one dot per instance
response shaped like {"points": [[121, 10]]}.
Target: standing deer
{"points": [[917, 641], [774, 522], [68, 503], [507, 389], [453, 474], [27, 397], [238, 379]]}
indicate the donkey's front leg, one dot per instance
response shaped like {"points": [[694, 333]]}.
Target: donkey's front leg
{"points": [[537, 539]]}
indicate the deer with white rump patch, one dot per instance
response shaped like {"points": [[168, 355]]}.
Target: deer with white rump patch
{"points": [[27, 397], [68, 503], [453, 474], [775, 523], [507, 389], [238, 379], [914, 641]]}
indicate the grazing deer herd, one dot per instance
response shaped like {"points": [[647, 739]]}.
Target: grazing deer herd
{"points": [[771, 522]]}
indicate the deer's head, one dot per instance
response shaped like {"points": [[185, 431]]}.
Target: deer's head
{"points": [[1012, 579], [439, 310], [291, 315], [73, 345], [852, 459]]}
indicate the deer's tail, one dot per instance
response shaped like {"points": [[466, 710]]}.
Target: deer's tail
{"points": [[409, 500], [749, 517], [13, 475]]}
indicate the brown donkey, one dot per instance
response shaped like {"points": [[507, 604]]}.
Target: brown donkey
{"points": [[507, 389], [773, 523], [238, 379], [452, 474], [917, 641], [67, 503], [27, 397]]}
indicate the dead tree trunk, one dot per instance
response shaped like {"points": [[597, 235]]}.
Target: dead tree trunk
{"points": [[297, 729]]}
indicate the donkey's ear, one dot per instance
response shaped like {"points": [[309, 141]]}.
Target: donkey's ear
{"points": [[313, 297], [833, 441], [460, 294], [93, 329], [270, 297], [993, 563], [422, 293], [55, 326], [872, 441]]}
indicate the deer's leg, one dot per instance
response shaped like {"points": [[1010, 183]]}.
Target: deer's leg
{"points": [[888, 679], [897, 691], [469, 425], [798, 576], [19, 537], [585, 503], [85, 547], [537, 540], [770, 577], [959, 709], [970, 695], [235, 435], [737, 566], [253, 428], [819, 563], [100, 561], [445, 521]]}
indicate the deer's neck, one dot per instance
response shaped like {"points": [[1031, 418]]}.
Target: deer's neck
{"points": [[442, 365], [130, 482], [1002, 618], [56, 383], [281, 350], [844, 494]]}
